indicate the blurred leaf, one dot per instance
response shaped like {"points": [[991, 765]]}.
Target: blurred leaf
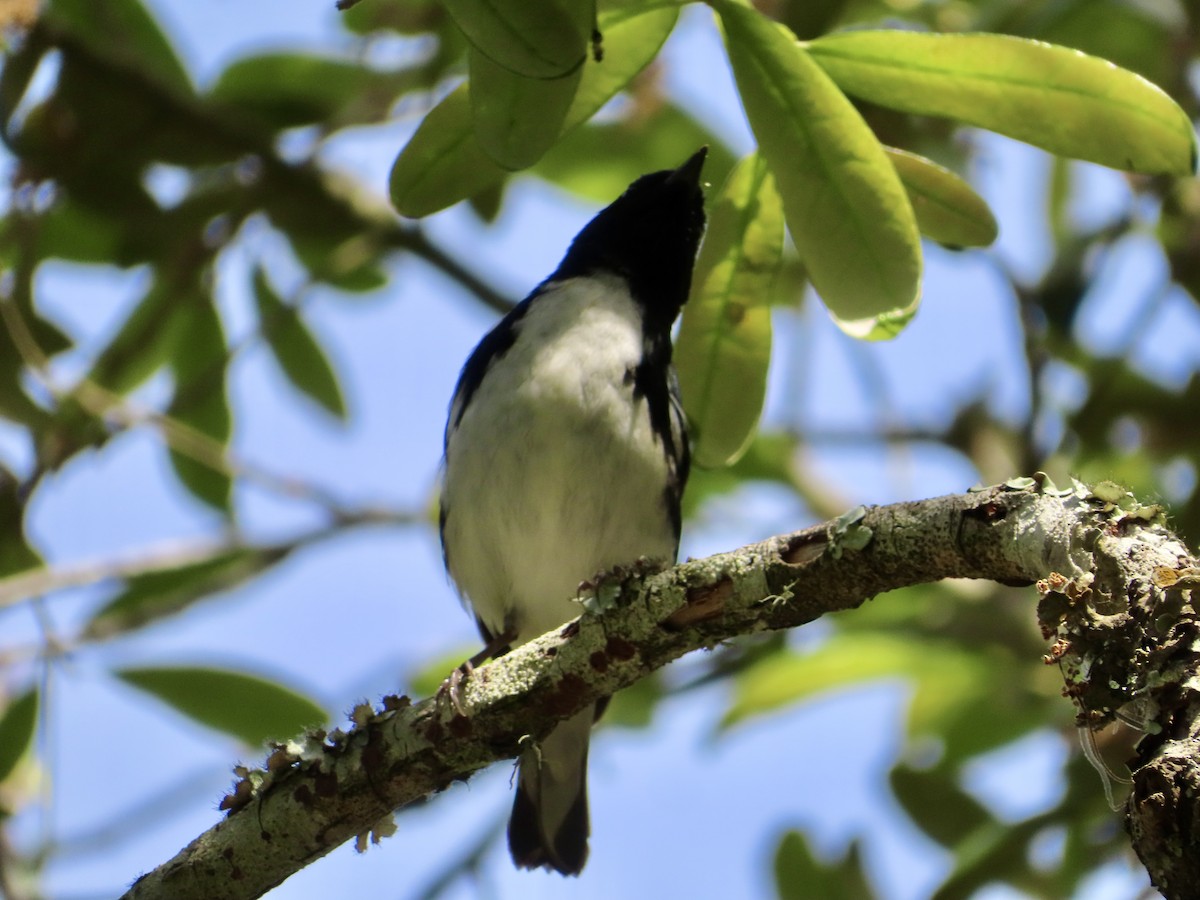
{"points": [[20, 64], [634, 707], [1130, 34], [1058, 99], [15, 553], [517, 119], [198, 359], [634, 144], [534, 38], [127, 32], [724, 344], [286, 90], [991, 854], [799, 875], [769, 457], [300, 358], [444, 163], [156, 594], [411, 17], [947, 208], [69, 231], [145, 339], [18, 724], [937, 805], [846, 209], [425, 680], [957, 695], [251, 709]]}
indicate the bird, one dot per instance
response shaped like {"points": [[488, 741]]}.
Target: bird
{"points": [[566, 455]]}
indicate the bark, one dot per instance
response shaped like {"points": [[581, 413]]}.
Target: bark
{"points": [[1115, 602]]}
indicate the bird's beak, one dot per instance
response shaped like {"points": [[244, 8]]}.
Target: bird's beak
{"points": [[689, 172]]}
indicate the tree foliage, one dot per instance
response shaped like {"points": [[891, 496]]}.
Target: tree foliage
{"points": [[866, 115]]}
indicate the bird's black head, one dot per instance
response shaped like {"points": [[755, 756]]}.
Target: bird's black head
{"points": [[649, 235]]}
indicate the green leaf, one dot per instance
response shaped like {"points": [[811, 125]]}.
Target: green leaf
{"points": [[158, 593], [847, 211], [947, 208], [20, 64], [517, 119], [444, 163], [880, 328], [1058, 99], [799, 875], [770, 457], [251, 709], [18, 724], [286, 90], [957, 695], [199, 359], [534, 38], [124, 30], [145, 340], [634, 144], [295, 349], [15, 553], [634, 707], [937, 805], [724, 344]]}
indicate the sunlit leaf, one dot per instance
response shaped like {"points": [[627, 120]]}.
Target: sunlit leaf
{"points": [[18, 723], [846, 209], [444, 163], [250, 708], [1058, 99], [159, 593], [534, 38], [724, 344], [295, 349], [947, 208]]}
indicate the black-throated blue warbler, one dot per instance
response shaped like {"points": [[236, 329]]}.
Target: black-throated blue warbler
{"points": [[566, 455]]}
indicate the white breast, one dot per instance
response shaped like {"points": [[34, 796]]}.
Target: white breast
{"points": [[553, 473]]}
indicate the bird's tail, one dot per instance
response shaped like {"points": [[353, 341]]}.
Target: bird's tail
{"points": [[549, 823]]}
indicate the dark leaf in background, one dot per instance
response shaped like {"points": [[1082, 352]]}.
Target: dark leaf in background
{"points": [[125, 31], [16, 555], [296, 350], [938, 806], [800, 875], [199, 359], [157, 594], [288, 90], [18, 724]]}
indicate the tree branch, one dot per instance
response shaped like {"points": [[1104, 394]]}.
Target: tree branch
{"points": [[317, 792]]}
